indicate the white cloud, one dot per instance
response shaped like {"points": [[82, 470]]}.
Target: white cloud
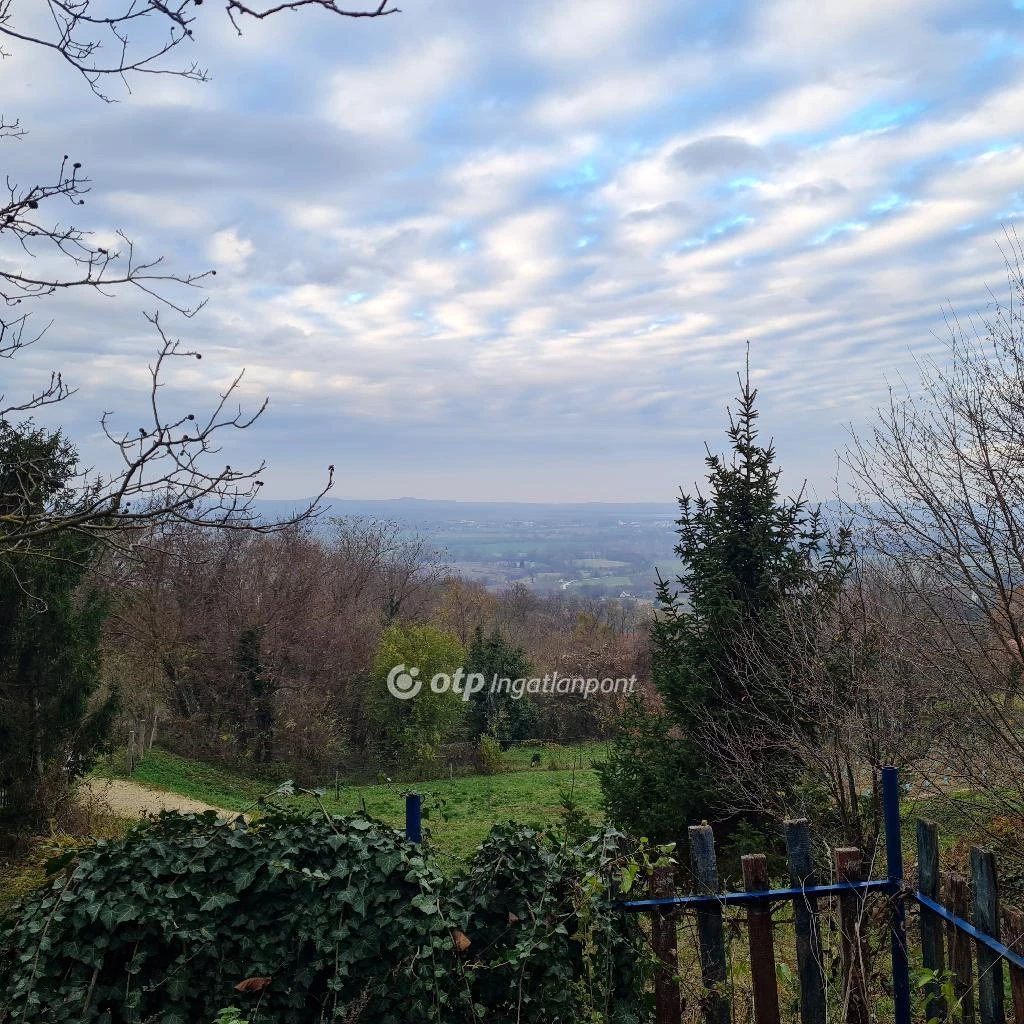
{"points": [[581, 30], [569, 219], [392, 96], [228, 248]]}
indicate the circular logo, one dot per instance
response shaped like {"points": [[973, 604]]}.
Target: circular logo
{"points": [[402, 684]]}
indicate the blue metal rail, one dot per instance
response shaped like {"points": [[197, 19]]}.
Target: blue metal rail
{"points": [[780, 895], [894, 868], [413, 818], [969, 929], [730, 898]]}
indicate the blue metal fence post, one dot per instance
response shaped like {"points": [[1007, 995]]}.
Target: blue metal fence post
{"points": [[894, 870], [413, 818]]}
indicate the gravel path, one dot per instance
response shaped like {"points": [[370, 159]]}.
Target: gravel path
{"points": [[130, 800]]}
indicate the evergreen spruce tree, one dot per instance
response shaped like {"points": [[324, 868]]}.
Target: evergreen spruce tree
{"points": [[744, 551], [53, 719], [501, 715]]}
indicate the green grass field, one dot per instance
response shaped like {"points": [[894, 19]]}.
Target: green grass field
{"points": [[458, 813], [599, 563]]}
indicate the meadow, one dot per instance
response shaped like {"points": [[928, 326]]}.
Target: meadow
{"points": [[458, 812]]}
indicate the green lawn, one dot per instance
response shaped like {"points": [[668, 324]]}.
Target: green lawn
{"points": [[458, 813]]}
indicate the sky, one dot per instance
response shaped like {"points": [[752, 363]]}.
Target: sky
{"points": [[515, 251]]}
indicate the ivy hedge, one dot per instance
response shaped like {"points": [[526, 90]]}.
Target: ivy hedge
{"points": [[297, 918]]}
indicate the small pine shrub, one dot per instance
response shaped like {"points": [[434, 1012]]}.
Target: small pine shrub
{"points": [[576, 823]]}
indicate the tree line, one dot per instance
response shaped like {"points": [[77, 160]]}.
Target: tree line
{"points": [[270, 652]]}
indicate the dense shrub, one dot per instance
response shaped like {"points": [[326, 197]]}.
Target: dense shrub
{"points": [[338, 913], [489, 755], [551, 947], [323, 918]]}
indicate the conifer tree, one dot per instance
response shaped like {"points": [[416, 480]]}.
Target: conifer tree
{"points": [[499, 714], [744, 550], [53, 716]]}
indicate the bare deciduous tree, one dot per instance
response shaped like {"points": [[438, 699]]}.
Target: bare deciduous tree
{"points": [[306, 607], [388, 568], [166, 474], [941, 499], [834, 688], [166, 469]]}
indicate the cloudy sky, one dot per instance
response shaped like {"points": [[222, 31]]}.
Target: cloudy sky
{"points": [[514, 250]]}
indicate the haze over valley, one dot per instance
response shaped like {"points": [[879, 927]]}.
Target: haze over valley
{"points": [[595, 549]]}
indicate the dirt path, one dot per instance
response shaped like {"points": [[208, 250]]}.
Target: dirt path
{"points": [[130, 800]]}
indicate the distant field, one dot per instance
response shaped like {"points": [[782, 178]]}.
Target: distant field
{"points": [[607, 581], [458, 813]]}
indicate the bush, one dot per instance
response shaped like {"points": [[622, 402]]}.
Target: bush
{"points": [[751, 837], [23, 859], [337, 913], [647, 782], [551, 947], [489, 755], [322, 918]]}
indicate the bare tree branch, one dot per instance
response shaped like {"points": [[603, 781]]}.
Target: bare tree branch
{"points": [[835, 688], [97, 43], [68, 260], [169, 473]]}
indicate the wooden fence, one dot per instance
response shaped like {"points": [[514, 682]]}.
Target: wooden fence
{"points": [[962, 931]]}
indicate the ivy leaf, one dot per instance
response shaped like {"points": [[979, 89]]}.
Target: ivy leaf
{"points": [[425, 902], [629, 873], [217, 901]]}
